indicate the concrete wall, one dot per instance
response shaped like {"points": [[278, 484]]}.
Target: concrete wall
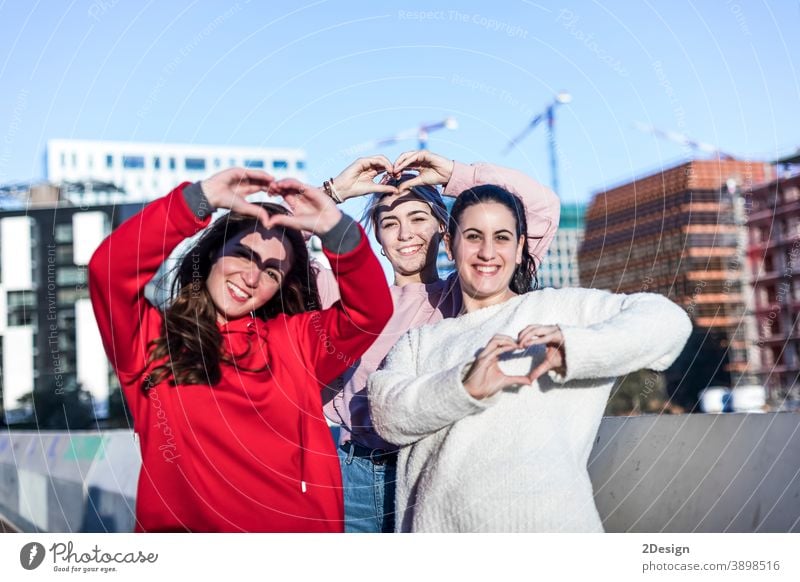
{"points": [[67, 482], [692, 473], [698, 473]]}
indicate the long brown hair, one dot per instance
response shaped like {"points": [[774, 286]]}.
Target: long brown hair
{"points": [[190, 339], [524, 277]]}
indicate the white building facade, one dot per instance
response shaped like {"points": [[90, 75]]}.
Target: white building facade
{"points": [[48, 335], [143, 171], [560, 266]]}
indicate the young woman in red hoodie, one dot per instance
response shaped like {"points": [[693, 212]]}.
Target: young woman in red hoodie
{"points": [[224, 385]]}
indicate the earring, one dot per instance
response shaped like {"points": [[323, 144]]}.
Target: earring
{"points": [[384, 254]]}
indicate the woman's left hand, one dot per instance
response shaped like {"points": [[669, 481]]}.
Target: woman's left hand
{"points": [[312, 209], [551, 337], [433, 169]]}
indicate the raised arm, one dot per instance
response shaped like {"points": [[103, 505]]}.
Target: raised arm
{"points": [[612, 336], [355, 180], [125, 262], [333, 339], [129, 258], [542, 207], [406, 407]]}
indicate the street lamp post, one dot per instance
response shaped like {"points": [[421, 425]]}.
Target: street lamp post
{"points": [[548, 114]]}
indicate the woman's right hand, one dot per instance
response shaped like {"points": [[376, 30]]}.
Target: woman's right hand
{"points": [[485, 378], [228, 189], [357, 179]]}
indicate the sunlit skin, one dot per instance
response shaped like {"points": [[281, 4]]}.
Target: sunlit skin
{"points": [[486, 252], [249, 272], [409, 235]]}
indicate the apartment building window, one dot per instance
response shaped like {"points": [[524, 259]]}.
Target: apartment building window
{"points": [[63, 158], [195, 164], [172, 163], [20, 308], [90, 162], [217, 162], [71, 276], [769, 264], [69, 295], [63, 233], [254, 163], [109, 161], [280, 164], [300, 165], [74, 161], [66, 326], [64, 255], [777, 358], [157, 163], [133, 162]]}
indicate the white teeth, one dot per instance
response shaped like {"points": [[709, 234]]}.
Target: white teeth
{"points": [[236, 291], [409, 250], [487, 269]]}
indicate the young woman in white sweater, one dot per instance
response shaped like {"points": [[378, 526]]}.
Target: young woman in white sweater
{"points": [[496, 411]]}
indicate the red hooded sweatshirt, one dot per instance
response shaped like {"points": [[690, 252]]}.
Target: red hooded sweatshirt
{"points": [[253, 452]]}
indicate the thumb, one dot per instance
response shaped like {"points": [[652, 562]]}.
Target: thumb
{"points": [[409, 184], [521, 380], [384, 189], [284, 220], [539, 371]]}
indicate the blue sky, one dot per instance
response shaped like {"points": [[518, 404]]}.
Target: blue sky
{"points": [[332, 74]]}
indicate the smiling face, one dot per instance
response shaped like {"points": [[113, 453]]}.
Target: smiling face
{"points": [[486, 251], [248, 272], [409, 235]]}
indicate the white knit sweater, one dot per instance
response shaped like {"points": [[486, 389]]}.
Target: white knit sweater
{"points": [[515, 461]]}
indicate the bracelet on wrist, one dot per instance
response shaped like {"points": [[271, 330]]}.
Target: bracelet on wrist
{"points": [[330, 190]]}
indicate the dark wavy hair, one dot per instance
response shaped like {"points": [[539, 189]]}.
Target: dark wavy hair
{"points": [[427, 194], [190, 344], [524, 277]]}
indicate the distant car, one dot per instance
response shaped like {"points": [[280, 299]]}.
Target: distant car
{"points": [[749, 398], [715, 399]]}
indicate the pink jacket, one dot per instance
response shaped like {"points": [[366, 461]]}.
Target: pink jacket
{"points": [[418, 304]]}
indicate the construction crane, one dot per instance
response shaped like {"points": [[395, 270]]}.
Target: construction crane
{"points": [[420, 133], [550, 115], [683, 140]]}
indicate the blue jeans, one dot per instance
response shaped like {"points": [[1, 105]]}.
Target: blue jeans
{"points": [[368, 494]]}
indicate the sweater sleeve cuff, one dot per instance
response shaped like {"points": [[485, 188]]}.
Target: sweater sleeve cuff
{"points": [[196, 201], [342, 238], [584, 358]]}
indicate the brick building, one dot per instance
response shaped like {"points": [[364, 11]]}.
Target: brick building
{"points": [[682, 232], [774, 254]]}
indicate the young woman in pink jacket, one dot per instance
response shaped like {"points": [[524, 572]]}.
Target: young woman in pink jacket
{"points": [[409, 226]]}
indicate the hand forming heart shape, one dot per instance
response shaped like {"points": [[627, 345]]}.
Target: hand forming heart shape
{"points": [[485, 378]]}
